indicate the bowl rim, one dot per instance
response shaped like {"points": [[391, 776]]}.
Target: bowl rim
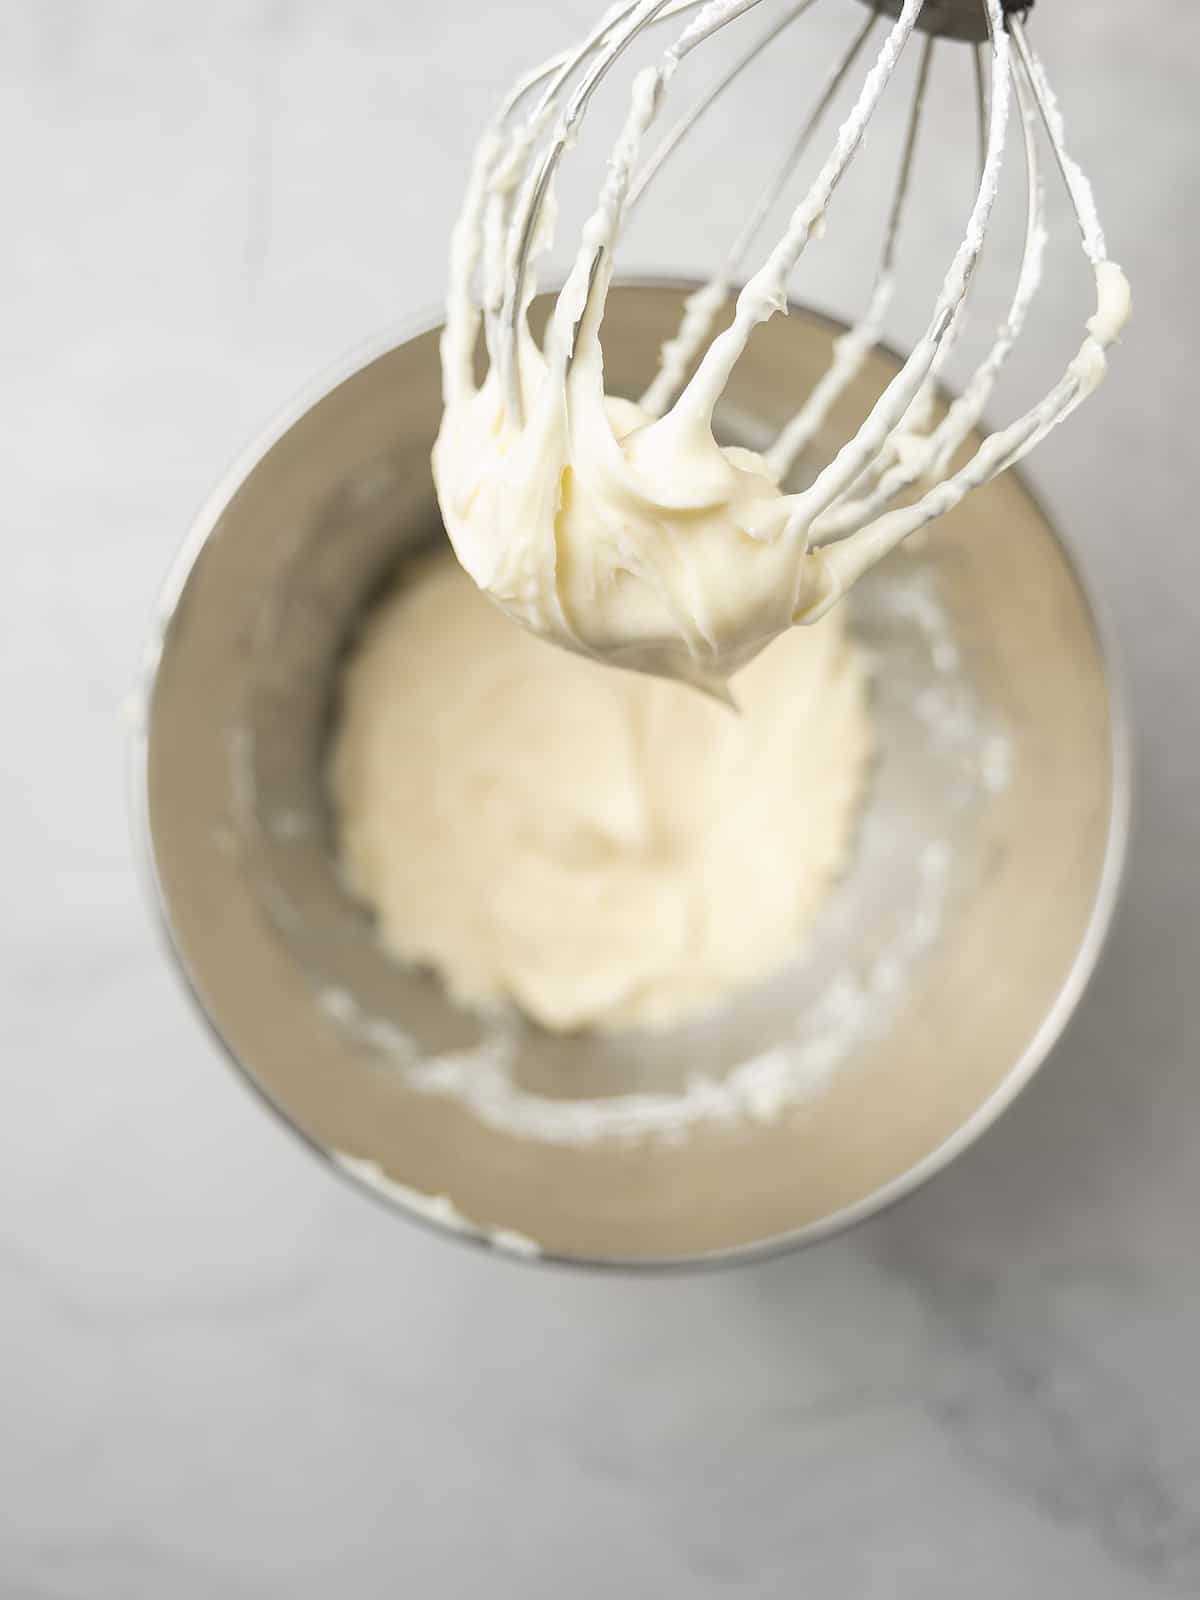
{"points": [[1032, 1058]]}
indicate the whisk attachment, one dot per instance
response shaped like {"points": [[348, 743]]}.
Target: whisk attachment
{"points": [[861, 504]]}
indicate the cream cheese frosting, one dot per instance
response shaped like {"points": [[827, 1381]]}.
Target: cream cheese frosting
{"points": [[603, 849]]}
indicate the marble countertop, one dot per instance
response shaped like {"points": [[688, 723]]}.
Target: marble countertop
{"points": [[225, 1373]]}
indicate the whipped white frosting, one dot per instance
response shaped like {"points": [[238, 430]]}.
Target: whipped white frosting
{"points": [[632, 536], [638, 542], [602, 848]]}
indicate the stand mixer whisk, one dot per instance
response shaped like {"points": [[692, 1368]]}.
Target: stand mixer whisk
{"points": [[624, 531]]}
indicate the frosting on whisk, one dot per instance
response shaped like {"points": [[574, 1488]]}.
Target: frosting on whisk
{"points": [[624, 531]]}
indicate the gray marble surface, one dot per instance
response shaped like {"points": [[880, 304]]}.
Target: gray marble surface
{"points": [[224, 1373]]}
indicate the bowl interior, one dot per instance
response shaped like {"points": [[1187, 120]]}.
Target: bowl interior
{"points": [[937, 976]]}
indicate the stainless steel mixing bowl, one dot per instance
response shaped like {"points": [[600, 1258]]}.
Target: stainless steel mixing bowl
{"points": [[241, 689]]}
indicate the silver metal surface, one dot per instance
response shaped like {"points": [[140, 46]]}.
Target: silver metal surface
{"points": [[240, 692]]}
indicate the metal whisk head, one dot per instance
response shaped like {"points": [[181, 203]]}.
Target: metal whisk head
{"points": [[859, 505]]}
